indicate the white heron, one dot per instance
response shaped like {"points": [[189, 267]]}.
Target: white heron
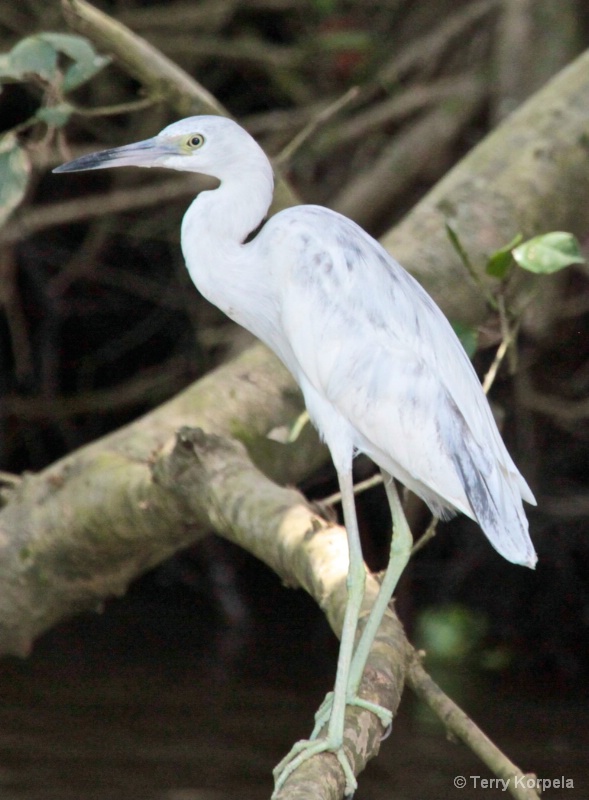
{"points": [[380, 367]]}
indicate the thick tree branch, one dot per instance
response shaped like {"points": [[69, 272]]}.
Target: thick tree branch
{"points": [[160, 76], [82, 529], [528, 176]]}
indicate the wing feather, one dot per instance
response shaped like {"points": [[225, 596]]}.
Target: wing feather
{"points": [[390, 363]]}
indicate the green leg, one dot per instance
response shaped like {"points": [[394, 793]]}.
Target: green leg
{"points": [[401, 544], [333, 740]]}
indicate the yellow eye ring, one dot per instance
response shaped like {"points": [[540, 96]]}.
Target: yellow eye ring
{"points": [[195, 141]]}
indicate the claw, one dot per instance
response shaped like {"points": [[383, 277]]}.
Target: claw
{"points": [[303, 751], [387, 732]]}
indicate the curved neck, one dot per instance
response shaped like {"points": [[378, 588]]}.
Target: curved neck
{"points": [[214, 228], [233, 210]]}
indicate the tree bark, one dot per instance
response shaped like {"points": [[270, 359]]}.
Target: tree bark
{"points": [[83, 528]]}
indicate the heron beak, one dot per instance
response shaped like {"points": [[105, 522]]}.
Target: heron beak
{"points": [[140, 154]]}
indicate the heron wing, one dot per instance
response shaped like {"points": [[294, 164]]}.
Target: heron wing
{"points": [[371, 342]]}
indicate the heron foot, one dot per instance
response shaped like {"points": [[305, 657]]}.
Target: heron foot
{"points": [[324, 711], [307, 748], [304, 750]]}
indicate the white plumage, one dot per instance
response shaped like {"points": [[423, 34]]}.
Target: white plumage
{"points": [[365, 342], [380, 367]]}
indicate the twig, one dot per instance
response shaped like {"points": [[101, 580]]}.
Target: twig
{"points": [[281, 120], [506, 343], [462, 727], [320, 119], [362, 486], [119, 108], [508, 338], [373, 191], [429, 533]]}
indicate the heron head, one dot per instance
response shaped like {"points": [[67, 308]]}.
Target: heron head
{"points": [[209, 145]]}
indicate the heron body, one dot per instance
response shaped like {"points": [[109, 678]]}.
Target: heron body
{"points": [[380, 367]]}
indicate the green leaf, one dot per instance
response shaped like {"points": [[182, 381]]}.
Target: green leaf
{"points": [[32, 56], [76, 47], [468, 337], [83, 71], [501, 260], [39, 55], [57, 115], [549, 253], [86, 60], [15, 169]]}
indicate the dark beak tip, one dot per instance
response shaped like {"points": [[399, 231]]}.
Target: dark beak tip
{"points": [[83, 164], [70, 166]]}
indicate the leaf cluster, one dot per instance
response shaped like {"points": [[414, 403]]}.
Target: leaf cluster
{"points": [[56, 64]]}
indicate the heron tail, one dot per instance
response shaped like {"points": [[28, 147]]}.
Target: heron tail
{"points": [[495, 497]]}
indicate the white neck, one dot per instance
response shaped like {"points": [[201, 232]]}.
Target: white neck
{"points": [[227, 272]]}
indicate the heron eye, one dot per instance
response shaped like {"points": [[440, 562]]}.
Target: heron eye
{"points": [[195, 141]]}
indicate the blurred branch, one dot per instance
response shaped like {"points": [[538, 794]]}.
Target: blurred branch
{"points": [[563, 411], [318, 119], [205, 15], [115, 201], [526, 28], [247, 49], [423, 55], [374, 190], [405, 103], [151, 385], [571, 506], [161, 78], [11, 303], [528, 176]]}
